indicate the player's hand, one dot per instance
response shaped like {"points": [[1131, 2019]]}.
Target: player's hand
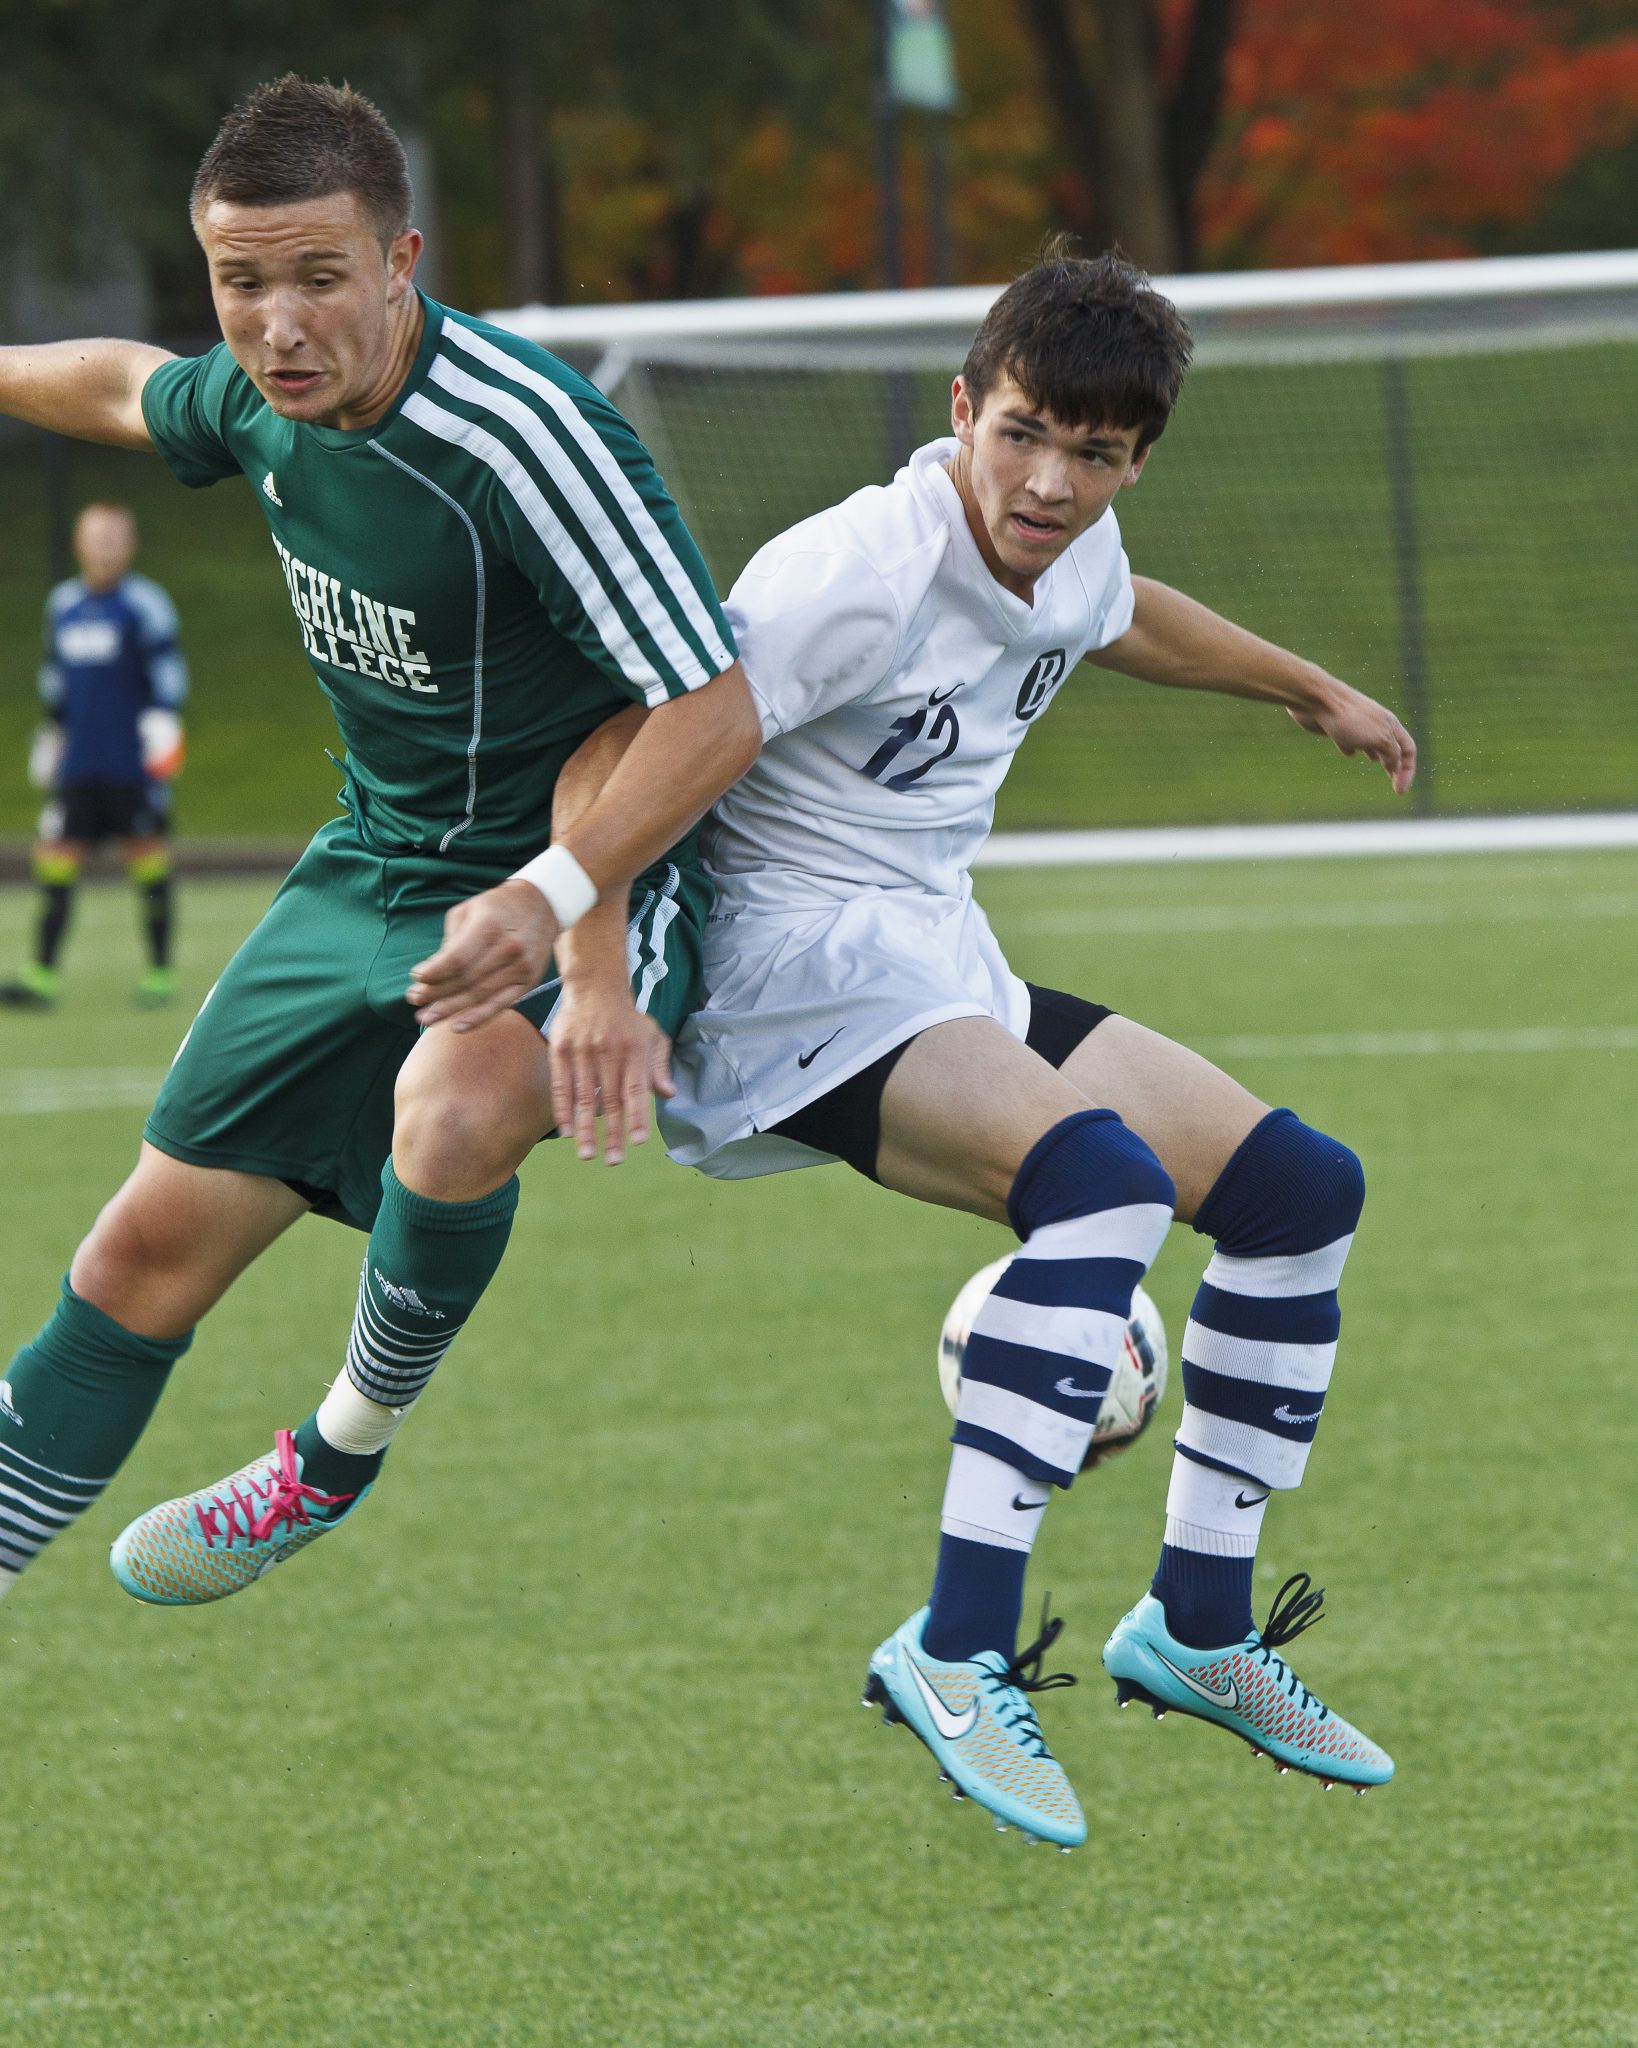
{"points": [[1357, 724], [608, 1059], [496, 949]]}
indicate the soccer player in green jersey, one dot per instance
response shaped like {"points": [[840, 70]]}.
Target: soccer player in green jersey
{"points": [[483, 565]]}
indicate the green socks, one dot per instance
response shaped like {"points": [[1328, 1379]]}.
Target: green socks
{"points": [[427, 1264], [72, 1404]]}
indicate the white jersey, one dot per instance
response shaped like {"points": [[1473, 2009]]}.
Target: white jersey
{"points": [[895, 679]]}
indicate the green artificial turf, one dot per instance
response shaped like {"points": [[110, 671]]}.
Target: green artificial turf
{"points": [[557, 1742]]}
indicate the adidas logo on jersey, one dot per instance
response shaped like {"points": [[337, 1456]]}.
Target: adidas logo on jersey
{"points": [[270, 492]]}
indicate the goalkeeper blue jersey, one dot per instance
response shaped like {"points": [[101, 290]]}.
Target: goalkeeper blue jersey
{"points": [[110, 655]]}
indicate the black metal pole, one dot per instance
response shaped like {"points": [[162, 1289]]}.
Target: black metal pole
{"points": [[941, 265], [897, 409], [887, 156], [1407, 559], [56, 495]]}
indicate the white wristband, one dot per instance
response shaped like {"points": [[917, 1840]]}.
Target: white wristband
{"points": [[569, 891]]}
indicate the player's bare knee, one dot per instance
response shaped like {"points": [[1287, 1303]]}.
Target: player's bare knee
{"points": [[457, 1143], [136, 1244]]}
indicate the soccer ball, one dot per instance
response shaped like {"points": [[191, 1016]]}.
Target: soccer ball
{"points": [[1135, 1392]]}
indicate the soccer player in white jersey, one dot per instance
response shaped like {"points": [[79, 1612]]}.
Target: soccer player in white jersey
{"points": [[900, 646]]}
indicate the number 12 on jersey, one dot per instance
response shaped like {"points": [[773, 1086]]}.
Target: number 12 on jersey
{"points": [[905, 732]]}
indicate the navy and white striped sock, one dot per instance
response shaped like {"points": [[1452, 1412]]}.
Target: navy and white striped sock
{"points": [[1092, 1204], [1258, 1351]]}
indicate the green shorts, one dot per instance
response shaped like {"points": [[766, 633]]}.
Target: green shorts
{"points": [[290, 1064]]}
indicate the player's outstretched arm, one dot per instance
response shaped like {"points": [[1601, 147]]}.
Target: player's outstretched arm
{"points": [[688, 751], [1183, 645], [91, 390]]}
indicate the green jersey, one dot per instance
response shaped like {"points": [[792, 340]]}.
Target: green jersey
{"points": [[481, 577]]}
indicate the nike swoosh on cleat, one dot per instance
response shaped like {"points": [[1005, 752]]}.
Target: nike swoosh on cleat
{"points": [[951, 1726], [1284, 1414], [1075, 1393], [1220, 1696]]}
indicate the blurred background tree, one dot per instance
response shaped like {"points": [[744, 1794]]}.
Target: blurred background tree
{"points": [[629, 149]]}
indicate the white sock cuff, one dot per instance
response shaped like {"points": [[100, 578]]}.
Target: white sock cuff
{"points": [[1213, 1542], [987, 1500], [1206, 1501]]}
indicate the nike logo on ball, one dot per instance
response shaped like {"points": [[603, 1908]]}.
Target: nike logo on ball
{"points": [[1218, 1695], [806, 1059], [951, 1726], [1284, 1414]]}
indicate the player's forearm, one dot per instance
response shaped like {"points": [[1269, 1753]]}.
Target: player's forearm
{"points": [[680, 760], [91, 390], [1183, 645], [595, 949]]}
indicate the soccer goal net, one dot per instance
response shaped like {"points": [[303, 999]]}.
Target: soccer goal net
{"points": [[1424, 476]]}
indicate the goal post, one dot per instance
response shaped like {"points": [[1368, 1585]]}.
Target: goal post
{"points": [[1423, 475]]}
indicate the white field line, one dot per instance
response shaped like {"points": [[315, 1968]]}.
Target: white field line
{"points": [[1309, 842], [43, 1091], [47, 1091], [1545, 1038], [1135, 921]]}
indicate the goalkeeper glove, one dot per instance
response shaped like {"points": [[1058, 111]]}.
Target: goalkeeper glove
{"points": [[163, 743], [45, 756]]}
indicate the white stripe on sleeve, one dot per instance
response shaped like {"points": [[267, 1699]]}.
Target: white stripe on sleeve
{"points": [[611, 628], [630, 501], [582, 501]]}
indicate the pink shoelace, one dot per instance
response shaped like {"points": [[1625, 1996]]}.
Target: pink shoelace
{"points": [[256, 1514]]}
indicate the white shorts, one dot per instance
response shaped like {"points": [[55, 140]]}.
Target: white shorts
{"points": [[799, 1002]]}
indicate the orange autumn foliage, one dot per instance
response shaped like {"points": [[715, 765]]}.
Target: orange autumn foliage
{"points": [[1401, 128]]}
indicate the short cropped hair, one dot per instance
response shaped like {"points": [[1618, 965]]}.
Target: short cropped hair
{"points": [[297, 139], [1088, 339]]}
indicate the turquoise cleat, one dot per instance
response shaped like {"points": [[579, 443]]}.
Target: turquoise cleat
{"points": [[209, 1544], [1245, 1688], [976, 1719]]}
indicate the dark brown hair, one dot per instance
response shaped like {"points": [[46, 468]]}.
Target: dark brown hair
{"points": [[1089, 340], [295, 140]]}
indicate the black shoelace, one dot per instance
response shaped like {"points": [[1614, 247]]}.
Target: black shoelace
{"points": [[1287, 1618], [1023, 1675]]}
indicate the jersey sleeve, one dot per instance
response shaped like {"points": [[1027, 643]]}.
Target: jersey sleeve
{"points": [[158, 634], [816, 628], [587, 520], [184, 404]]}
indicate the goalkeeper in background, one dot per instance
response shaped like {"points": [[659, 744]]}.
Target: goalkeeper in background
{"points": [[113, 682]]}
